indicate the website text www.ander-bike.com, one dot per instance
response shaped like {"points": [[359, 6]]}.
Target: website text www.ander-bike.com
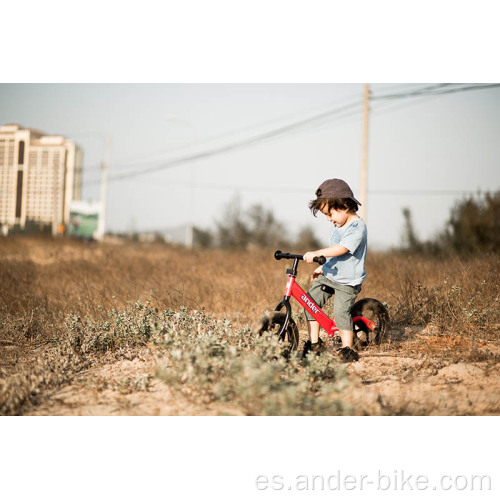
{"points": [[396, 480]]}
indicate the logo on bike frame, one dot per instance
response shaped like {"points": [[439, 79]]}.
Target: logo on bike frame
{"points": [[310, 303]]}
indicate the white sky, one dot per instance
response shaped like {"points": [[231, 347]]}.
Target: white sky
{"points": [[416, 146]]}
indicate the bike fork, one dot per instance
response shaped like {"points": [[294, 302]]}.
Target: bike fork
{"points": [[292, 274], [284, 303]]}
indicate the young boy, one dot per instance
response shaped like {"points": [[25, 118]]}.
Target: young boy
{"points": [[344, 270]]}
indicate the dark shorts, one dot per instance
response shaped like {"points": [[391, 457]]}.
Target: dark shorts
{"points": [[344, 297]]}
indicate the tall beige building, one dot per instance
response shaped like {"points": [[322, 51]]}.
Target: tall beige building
{"points": [[39, 176]]}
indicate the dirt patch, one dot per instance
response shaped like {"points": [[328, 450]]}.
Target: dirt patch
{"points": [[122, 388], [387, 384], [460, 372]]}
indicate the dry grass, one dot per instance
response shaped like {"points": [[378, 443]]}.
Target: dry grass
{"points": [[44, 281]]}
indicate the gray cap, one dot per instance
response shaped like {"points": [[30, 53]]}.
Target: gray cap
{"points": [[335, 189]]}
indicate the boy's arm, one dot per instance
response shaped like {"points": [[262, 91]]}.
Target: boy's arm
{"points": [[335, 251]]}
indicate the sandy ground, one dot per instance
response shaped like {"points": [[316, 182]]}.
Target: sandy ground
{"points": [[424, 374], [393, 385], [106, 391], [385, 381]]}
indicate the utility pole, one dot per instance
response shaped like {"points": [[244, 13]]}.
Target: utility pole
{"points": [[364, 154], [101, 229]]}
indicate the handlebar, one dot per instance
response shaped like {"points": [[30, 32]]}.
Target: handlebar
{"points": [[278, 255]]}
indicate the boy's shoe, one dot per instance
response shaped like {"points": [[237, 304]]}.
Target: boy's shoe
{"points": [[317, 348], [346, 354]]}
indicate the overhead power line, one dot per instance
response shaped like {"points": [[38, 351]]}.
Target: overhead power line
{"points": [[436, 90], [319, 125], [280, 131], [319, 119], [159, 154]]}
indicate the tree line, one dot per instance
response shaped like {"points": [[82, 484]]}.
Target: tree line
{"points": [[473, 226], [255, 227]]}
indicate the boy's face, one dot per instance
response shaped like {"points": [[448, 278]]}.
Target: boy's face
{"points": [[336, 217]]}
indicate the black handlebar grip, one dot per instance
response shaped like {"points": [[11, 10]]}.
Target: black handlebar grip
{"points": [[278, 255]]}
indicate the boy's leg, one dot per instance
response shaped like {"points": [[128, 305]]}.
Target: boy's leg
{"points": [[344, 299], [313, 329], [320, 296], [347, 337]]}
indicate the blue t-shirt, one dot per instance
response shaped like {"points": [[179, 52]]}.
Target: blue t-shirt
{"points": [[348, 269]]}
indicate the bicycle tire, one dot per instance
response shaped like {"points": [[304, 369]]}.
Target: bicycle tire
{"points": [[272, 322], [375, 311]]}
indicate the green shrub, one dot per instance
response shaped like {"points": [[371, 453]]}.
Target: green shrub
{"points": [[128, 329], [216, 363], [210, 360]]}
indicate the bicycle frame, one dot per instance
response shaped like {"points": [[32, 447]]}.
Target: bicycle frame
{"points": [[294, 290]]}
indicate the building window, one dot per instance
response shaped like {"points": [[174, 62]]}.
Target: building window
{"points": [[20, 159], [19, 193]]}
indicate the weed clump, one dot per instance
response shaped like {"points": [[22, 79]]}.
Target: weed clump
{"points": [[53, 367], [211, 360], [82, 344], [449, 306], [205, 358], [118, 332]]}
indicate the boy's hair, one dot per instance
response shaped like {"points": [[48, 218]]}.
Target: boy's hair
{"points": [[337, 204]]}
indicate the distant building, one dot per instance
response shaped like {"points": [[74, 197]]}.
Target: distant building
{"points": [[39, 176]]}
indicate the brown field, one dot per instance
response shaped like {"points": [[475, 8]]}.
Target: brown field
{"points": [[74, 341]]}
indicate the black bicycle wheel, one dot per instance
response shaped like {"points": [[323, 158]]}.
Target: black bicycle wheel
{"points": [[375, 311], [272, 322]]}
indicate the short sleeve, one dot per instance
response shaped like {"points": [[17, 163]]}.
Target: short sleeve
{"points": [[353, 237]]}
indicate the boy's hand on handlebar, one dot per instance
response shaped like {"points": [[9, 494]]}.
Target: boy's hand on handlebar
{"points": [[309, 256]]}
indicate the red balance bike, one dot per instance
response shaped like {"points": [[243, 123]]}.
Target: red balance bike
{"points": [[369, 316]]}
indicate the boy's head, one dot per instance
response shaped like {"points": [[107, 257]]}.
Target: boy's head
{"points": [[334, 194]]}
